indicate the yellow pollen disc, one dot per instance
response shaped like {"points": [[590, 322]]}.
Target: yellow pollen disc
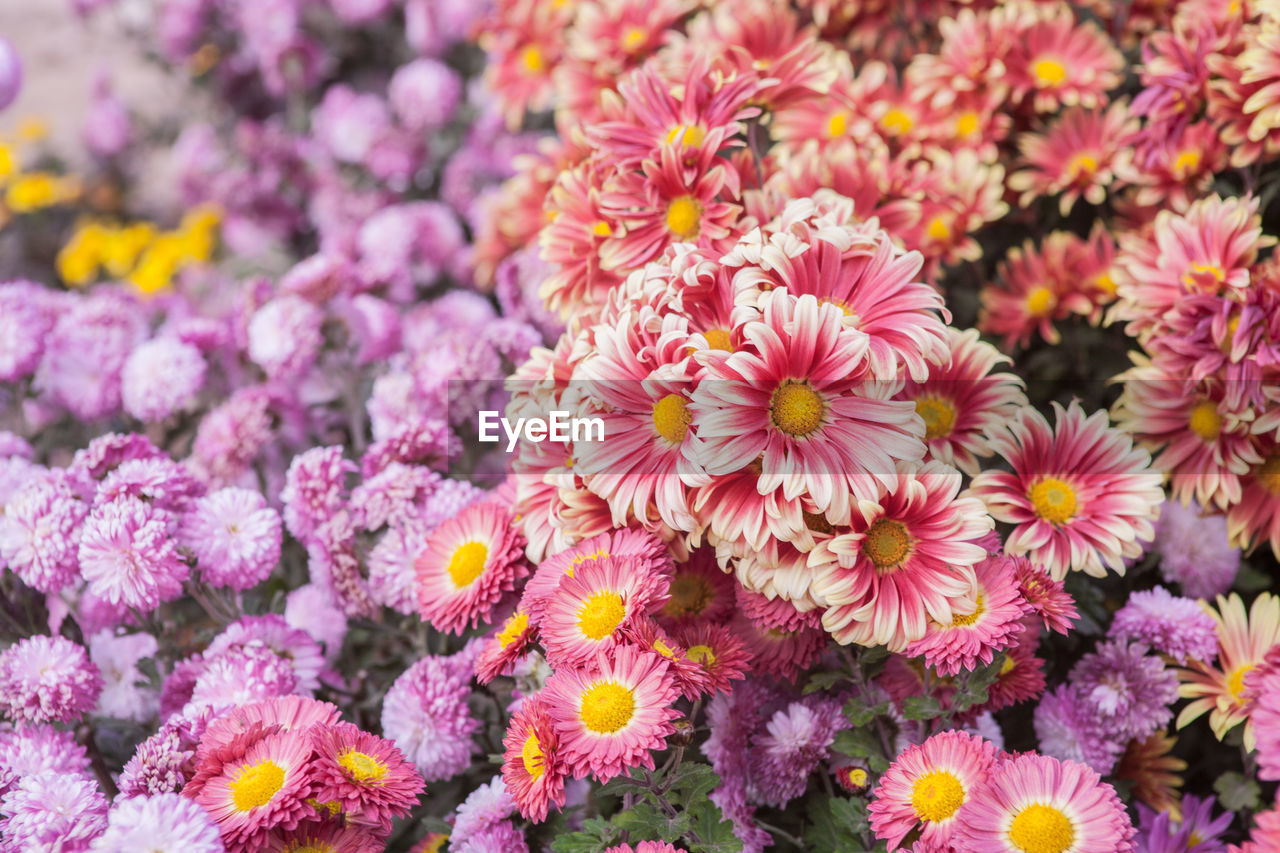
{"points": [[361, 766], [936, 795], [969, 618], [1268, 474], [1187, 162], [1205, 420], [887, 543], [511, 631], [857, 777], [602, 229], [690, 595], [1081, 165], [664, 650], [796, 409], [1041, 829], [601, 614], [1198, 272], [897, 122], [1048, 72], [311, 847], [1053, 500], [967, 123], [467, 563], [671, 418], [1040, 301], [333, 807], [701, 655], [533, 60], [633, 39], [719, 339], [532, 756], [256, 784], [684, 217], [607, 707], [692, 137], [1105, 283], [1007, 666], [939, 416], [838, 124], [938, 229], [1235, 682]]}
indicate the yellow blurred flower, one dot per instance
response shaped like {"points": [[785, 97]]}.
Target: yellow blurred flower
{"points": [[38, 190]]}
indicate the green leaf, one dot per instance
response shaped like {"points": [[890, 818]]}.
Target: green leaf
{"points": [[647, 822], [857, 743], [595, 836], [850, 815], [1249, 579], [824, 681], [860, 713], [691, 782], [715, 834], [1237, 792], [826, 833], [921, 708]]}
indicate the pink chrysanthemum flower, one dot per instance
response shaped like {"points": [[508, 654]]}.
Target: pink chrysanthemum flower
{"points": [[1082, 153], [927, 785], [425, 712], [160, 377], [1262, 690], [162, 822], [778, 653], [469, 563], [1218, 687], [624, 542], [40, 529], [590, 612], [49, 811], [366, 775], [284, 337], [128, 556], [909, 558], [1035, 293], [1195, 551], [505, 646], [963, 398], [47, 679], [1032, 802], [609, 719], [794, 398], [314, 490], [1243, 90], [1047, 597], [327, 835], [1021, 676], [266, 789], [1058, 61], [647, 847], [719, 652], [1080, 495], [700, 592], [1265, 835], [532, 768], [973, 638], [234, 536]]}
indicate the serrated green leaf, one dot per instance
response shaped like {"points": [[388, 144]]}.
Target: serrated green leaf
{"points": [[715, 834], [824, 681], [921, 708], [692, 781], [1237, 792], [850, 815], [857, 743]]}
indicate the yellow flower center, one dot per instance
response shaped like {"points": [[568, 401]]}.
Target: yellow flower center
{"points": [[361, 766], [1053, 500], [796, 409], [601, 614], [897, 122], [969, 618], [467, 563], [1205, 420], [1268, 474], [690, 595], [702, 655], [533, 60], [938, 229], [1104, 282], [856, 777], [1207, 277], [671, 418], [1040, 301], [1081, 166], [719, 339], [607, 707], [311, 846], [1048, 72], [1235, 682], [936, 795], [514, 627], [939, 416], [684, 217], [1187, 162], [633, 38], [256, 784], [838, 124], [601, 229], [967, 123], [532, 756], [1041, 829], [1008, 665], [886, 543], [693, 135]]}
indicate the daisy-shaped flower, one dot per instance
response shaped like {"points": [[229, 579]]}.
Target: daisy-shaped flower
{"points": [[927, 785], [469, 563], [700, 592], [571, 241], [267, 788], [1082, 153], [973, 638], [609, 718], [1036, 292], [532, 768], [792, 397], [504, 646], [1218, 687], [722, 656], [963, 399], [525, 43], [326, 835], [1256, 518], [1057, 61], [367, 776], [589, 612], [1047, 597], [1021, 676], [1036, 804], [1080, 495], [1155, 771], [624, 542], [909, 558]]}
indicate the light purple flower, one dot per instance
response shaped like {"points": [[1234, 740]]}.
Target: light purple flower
{"points": [[311, 608], [314, 489], [25, 318], [349, 123], [285, 336], [128, 556], [107, 128], [1177, 627], [360, 11], [10, 73], [230, 436], [159, 822], [117, 656], [1127, 691], [483, 807], [159, 481], [161, 764], [274, 632], [392, 496], [40, 529], [47, 679], [246, 673], [85, 354], [234, 536], [425, 94], [425, 713], [1194, 550], [375, 324], [52, 812], [318, 278], [392, 576], [1066, 731], [794, 741], [160, 377], [107, 452], [40, 748], [500, 837]]}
